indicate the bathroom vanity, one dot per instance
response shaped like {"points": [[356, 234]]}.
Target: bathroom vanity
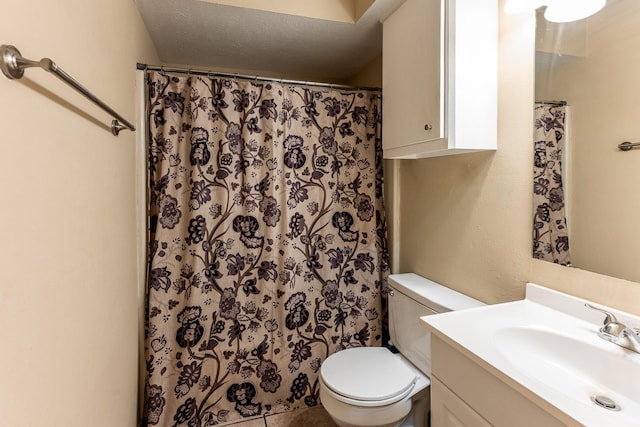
{"points": [[469, 393], [535, 362]]}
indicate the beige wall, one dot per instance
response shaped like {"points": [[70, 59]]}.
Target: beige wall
{"points": [[334, 10], [370, 75], [465, 221], [602, 91], [68, 291]]}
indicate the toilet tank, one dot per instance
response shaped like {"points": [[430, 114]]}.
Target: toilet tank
{"points": [[411, 297]]}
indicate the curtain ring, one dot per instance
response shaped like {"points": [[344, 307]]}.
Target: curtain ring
{"points": [[162, 72]]}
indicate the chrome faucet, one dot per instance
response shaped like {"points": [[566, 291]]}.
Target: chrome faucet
{"points": [[616, 332]]}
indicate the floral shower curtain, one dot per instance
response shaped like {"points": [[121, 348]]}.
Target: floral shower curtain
{"points": [[267, 243], [550, 236]]}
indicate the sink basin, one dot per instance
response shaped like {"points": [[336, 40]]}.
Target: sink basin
{"points": [[578, 367]]}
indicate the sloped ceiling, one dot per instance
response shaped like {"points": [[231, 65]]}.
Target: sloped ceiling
{"points": [[210, 35]]}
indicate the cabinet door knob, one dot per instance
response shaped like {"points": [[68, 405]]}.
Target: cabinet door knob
{"points": [[428, 126]]}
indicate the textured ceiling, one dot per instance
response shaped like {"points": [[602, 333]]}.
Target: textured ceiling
{"points": [[214, 36]]}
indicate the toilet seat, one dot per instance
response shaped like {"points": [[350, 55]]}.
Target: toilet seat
{"points": [[367, 376]]}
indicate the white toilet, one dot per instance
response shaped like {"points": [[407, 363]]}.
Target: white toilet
{"points": [[374, 387]]}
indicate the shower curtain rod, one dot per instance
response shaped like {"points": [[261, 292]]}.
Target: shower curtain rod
{"points": [[13, 64], [164, 69], [558, 103]]}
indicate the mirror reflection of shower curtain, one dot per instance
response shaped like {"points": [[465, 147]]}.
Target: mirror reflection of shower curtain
{"points": [[550, 233]]}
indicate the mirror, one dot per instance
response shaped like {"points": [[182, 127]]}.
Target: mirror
{"points": [[594, 66]]}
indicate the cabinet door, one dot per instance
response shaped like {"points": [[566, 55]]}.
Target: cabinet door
{"points": [[413, 73], [448, 410]]}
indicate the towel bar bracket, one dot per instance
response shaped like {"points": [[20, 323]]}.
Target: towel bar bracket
{"points": [[627, 145], [9, 64]]}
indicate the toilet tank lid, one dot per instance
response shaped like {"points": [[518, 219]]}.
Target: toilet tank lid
{"points": [[432, 294]]}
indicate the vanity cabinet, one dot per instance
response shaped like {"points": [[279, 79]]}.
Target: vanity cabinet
{"points": [[439, 78], [463, 393], [448, 410]]}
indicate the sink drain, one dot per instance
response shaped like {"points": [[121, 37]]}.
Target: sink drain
{"points": [[605, 402]]}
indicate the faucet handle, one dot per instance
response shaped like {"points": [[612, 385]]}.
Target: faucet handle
{"points": [[631, 331], [609, 317]]}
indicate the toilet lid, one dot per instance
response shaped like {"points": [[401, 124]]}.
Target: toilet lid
{"points": [[367, 373]]}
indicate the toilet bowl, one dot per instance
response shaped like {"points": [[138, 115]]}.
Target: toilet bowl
{"points": [[375, 387], [370, 386]]}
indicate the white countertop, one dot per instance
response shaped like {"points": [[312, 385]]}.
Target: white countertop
{"points": [[474, 332]]}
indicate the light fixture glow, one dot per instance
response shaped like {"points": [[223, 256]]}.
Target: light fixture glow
{"points": [[513, 7], [571, 10], [557, 10]]}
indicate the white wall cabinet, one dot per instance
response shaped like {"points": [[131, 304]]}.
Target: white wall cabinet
{"points": [[439, 78]]}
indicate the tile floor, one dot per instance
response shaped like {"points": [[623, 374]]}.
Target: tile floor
{"points": [[306, 417]]}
